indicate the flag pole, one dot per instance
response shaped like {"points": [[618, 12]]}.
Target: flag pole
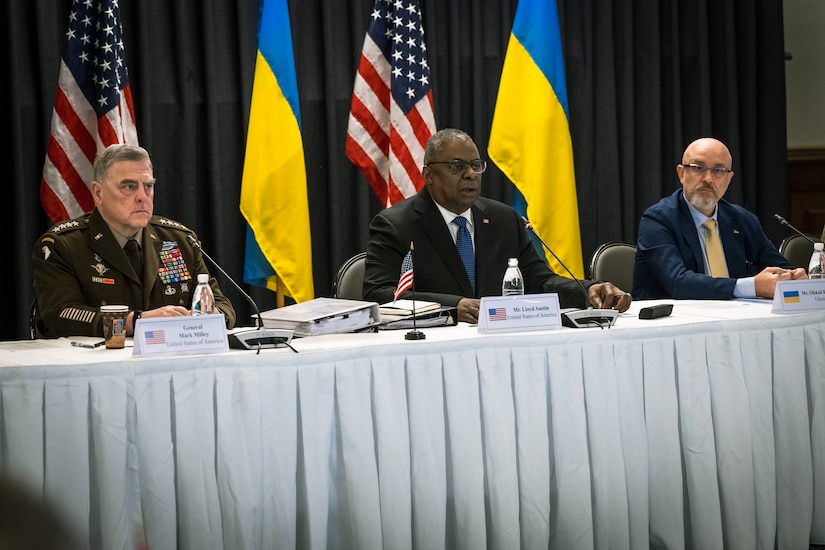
{"points": [[414, 334], [279, 291]]}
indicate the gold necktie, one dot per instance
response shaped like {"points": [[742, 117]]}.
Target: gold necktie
{"points": [[713, 247]]}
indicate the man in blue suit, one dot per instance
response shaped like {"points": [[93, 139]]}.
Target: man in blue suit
{"points": [[671, 251]]}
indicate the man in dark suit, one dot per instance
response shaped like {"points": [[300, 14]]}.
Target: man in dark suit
{"points": [[673, 259], [452, 176]]}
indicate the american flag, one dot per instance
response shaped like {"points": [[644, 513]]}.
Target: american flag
{"points": [[497, 314], [92, 108], [155, 336], [406, 281], [391, 117]]}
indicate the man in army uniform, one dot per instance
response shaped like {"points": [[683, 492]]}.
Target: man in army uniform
{"points": [[86, 262]]}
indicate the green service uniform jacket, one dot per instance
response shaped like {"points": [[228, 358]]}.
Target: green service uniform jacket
{"points": [[78, 266]]}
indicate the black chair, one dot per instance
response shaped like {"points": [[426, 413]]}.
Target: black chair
{"points": [[349, 281], [797, 249], [613, 261], [36, 329]]}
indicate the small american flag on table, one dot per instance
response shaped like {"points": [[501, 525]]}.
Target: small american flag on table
{"points": [[405, 282]]}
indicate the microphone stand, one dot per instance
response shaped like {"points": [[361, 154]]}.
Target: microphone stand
{"points": [[785, 222], [582, 318], [253, 338]]}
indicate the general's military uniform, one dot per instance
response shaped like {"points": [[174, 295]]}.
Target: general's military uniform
{"points": [[79, 266]]}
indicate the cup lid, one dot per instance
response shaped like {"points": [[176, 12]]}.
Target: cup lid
{"points": [[114, 307]]}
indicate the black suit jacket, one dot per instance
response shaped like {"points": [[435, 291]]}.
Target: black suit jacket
{"points": [[439, 273]]}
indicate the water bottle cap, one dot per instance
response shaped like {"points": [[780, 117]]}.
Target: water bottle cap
{"points": [[512, 262], [819, 246], [203, 277]]}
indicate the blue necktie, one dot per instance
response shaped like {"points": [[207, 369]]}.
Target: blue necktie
{"points": [[464, 243]]}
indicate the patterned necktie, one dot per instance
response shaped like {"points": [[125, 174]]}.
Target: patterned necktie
{"points": [[464, 243], [133, 251], [713, 247]]}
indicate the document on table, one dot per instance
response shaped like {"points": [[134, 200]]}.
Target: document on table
{"points": [[323, 316]]}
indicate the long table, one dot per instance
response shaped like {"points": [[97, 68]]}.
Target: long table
{"points": [[705, 429]]}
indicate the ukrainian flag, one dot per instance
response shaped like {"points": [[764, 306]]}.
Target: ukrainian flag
{"points": [[791, 296], [530, 136], [274, 186]]}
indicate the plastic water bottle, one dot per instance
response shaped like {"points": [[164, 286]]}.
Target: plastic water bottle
{"points": [[513, 283], [203, 301], [817, 264]]}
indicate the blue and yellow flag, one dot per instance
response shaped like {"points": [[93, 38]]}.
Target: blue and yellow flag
{"points": [[274, 186], [530, 136]]}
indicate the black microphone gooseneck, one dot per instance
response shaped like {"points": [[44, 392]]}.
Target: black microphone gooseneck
{"points": [[785, 222], [259, 337], [581, 318]]}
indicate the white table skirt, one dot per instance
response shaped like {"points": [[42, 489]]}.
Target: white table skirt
{"points": [[705, 430]]}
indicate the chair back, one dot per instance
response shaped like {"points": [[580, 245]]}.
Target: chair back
{"points": [[348, 283], [613, 262], [797, 249], [36, 329]]}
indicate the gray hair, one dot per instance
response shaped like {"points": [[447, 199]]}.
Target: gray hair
{"points": [[438, 139], [118, 152]]}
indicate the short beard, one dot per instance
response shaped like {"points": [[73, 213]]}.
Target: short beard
{"points": [[700, 203]]}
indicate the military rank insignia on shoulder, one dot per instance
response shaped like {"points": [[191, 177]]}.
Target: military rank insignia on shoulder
{"points": [[171, 223], [68, 225]]}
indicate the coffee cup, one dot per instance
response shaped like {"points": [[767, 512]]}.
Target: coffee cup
{"points": [[114, 325]]}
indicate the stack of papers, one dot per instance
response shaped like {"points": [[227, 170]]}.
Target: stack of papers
{"points": [[323, 316], [399, 314], [401, 308]]}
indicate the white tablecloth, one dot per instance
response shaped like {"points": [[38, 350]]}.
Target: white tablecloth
{"points": [[705, 429]]}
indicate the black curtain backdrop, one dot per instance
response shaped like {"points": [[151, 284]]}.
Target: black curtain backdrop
{"points": [[644, 78]]}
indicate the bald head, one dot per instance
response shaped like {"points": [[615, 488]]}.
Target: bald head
{"points": [[703, 183], [707, 145]]}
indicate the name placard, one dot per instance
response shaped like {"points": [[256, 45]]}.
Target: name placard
{"points": [[519, 313], [801, 295], [180, 335]]}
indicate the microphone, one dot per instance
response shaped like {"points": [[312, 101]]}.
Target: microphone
{"points": [[249, 338], [581, 318], [784, 222]]}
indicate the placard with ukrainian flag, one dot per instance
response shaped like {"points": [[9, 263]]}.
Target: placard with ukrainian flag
{"points": [[798, 296]]}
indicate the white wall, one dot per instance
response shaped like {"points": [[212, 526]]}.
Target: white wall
{"points": [[805, 73]]}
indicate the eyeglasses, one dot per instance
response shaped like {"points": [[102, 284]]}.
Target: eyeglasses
{"points": [[698, 169], [459, 166]]}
